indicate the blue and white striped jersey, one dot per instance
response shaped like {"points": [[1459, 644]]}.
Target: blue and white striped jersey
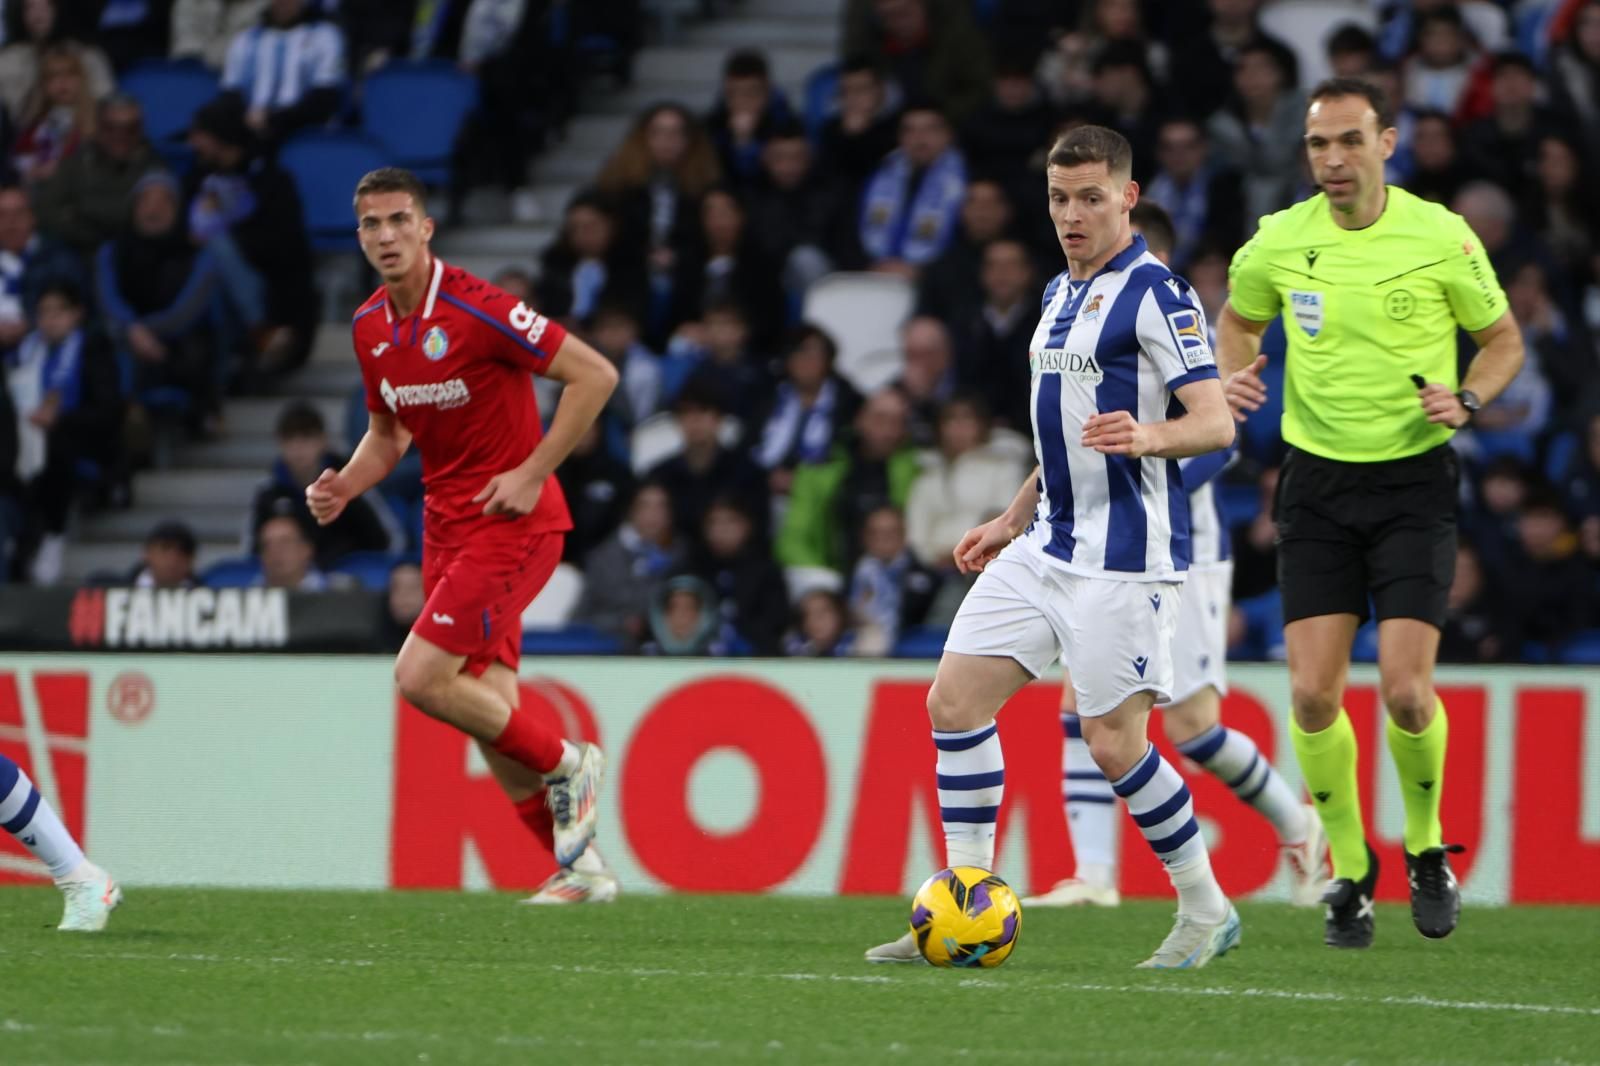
{"points": [[1208, 532], [1122, 340]]}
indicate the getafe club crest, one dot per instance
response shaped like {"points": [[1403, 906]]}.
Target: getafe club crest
{"points": [[435, 344], [1307, 307]]}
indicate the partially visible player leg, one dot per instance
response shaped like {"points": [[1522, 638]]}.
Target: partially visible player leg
{"points": [[1418, 732], [91, 893], [1092, 816]]}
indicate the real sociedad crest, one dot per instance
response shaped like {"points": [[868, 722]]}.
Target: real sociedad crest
{"points": [[435, 345]]}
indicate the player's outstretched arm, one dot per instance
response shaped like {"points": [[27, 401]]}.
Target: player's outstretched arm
{"points": [[982, 543], [1205, 426], [588, 379], [381, 447], [1499, 358], [1240, 362]]}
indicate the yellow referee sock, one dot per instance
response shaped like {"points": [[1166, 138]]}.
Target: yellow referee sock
{"points": [[1419, 757], [1328, 764]]}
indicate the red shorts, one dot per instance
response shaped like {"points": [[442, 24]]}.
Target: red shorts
{"points": [[477, 592]]}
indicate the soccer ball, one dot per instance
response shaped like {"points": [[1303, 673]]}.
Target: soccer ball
{"points": [[966, 916]]}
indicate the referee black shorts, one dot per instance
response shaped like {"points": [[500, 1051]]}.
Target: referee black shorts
{"points": [[1348, 532]]}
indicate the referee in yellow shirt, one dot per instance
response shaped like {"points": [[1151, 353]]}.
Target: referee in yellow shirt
{"points": [[1372, 283]]}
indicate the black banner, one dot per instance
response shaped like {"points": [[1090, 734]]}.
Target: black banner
{"points": [[189, 620]]}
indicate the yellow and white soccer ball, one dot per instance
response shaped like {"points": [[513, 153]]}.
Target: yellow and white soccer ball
{"points": [[966, 917]]}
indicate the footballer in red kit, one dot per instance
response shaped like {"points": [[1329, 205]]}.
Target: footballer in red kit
{"points": [[446, 360]]}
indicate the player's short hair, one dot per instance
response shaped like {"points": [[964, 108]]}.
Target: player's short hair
{"points": [[391, 179], [1342, 88], [1155, 225], [300, 419], [747, 63], [1093, 144]]}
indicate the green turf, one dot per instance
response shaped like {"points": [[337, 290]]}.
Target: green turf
{"points": [[341, 978]]}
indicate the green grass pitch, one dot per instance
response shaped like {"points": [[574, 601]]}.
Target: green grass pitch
{"points": [[187, 976]]}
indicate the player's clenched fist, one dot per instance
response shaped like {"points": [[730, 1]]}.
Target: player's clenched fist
{"points": [[1245, 390], [326, 496], [978, 546], [513, 494]]}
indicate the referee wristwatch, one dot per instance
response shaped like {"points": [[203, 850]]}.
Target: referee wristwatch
{"points": [[1470, 401]]}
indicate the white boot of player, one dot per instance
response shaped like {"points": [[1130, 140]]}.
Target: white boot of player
{"points": [[574, 804], [1308, 863], [1074, 892], [1193, 943], [91, 895], [902, 950], [588, 881]]}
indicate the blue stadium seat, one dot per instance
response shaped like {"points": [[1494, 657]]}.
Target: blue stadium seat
{"points": [[369, 568], [920, 642], [821, 98], [1365, 648], [414, 110], [170, 91], [326, 165], [572, 640], [237, 573], [1239, 502], [1581, 650]]}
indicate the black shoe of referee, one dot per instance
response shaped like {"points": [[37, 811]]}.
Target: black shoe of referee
{"points": [[1435, 897], [1349, 903]]}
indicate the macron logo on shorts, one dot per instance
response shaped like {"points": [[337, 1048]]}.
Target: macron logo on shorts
{"points": [[442, 619], [440, 394]]}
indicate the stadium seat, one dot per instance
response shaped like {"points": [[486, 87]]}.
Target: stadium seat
{"points": [[371, 569], [571, 640], [326, 165], [804, 579], [236, 573], [862, 312], [876, 369], [556, 601], [920, 642], [1581, 650], [1239, 502], [170, 92], [1306, 25], [414, 111], [658, 438], [1365, 648]]}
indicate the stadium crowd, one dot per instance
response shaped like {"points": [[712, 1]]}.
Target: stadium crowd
{"points": [[145, 282]]}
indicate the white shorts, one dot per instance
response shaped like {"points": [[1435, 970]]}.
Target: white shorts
{"points": [[1200, 648], [1115, 637]]}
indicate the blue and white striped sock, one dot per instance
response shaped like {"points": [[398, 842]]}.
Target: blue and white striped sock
{"points": [[25, 815], [1091, 808], [972, 780], [1162, 808], [1234, 758]]}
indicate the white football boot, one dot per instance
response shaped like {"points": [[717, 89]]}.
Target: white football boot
{"points": [[1308, 863], [574, 804], [91, 895], [574, 886], [1192, 944], [902, 950], [1073, 892]]}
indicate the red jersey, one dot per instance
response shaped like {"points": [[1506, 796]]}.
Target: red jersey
{"points": [[456, 374]]}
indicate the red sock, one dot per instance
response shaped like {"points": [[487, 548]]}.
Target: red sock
{"points": [[527, 742], [536, 816]]}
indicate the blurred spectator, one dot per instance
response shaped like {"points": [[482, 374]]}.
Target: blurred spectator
{"points": [[656, 178], [1258, 133], [792, 210], [1007, 132], [1436, 74], [13, 518], [1437, 171], [855, 140], [1203, 199], [1068, 69], [726, 263], [246, 211], [1504, 146], [1579, 481], [1558, 356], [588, 264], [889, 590], [59, 116], [1476, 628], [204, 29], [29, 261], [992, 341], [829, 502], [705, 469], [168, 561], [1255, 544], [1352, 51], [1206, 46], [627, 569], [303, 453], [929, 47], [1561, 207], [929, 375], [910, 206], [614, 331], [1401, 21], [1503, 487], [1546, 576], [85, 202], [516, 283], [63, 387], [598, 487], [963, 483], [1398, 167], [132, 30], [747, 111], [948, 286], [1574, 76], [821, 627], [287, 72], [733, 560], [402, 604], [1124, 98], [288, 560], [1207, 274], [1492, 215], [719, 344], [812, 405], [684, 620], [32, 27]]}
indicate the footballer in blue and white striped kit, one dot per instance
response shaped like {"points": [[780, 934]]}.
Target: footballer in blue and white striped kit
{"points": [[1087, 563]]}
